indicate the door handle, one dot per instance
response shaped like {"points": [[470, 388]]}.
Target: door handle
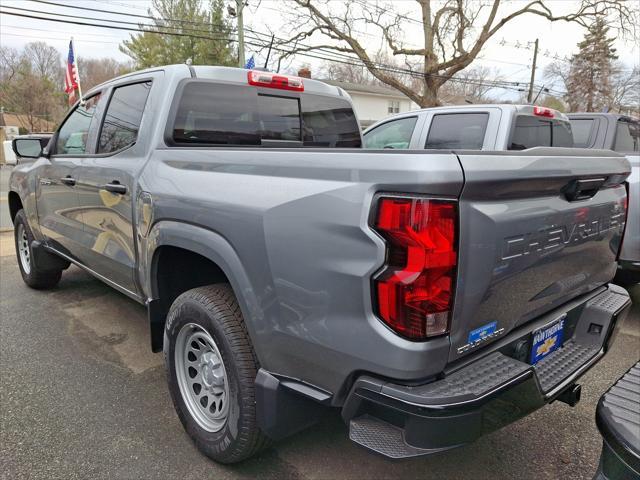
{"points": [[582, 189], [68, 180], [115, 187]]}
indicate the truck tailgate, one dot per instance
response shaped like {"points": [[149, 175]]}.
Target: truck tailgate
{"points": [[528, 241]]}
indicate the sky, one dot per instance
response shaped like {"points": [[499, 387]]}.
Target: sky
{"points": [[509, 51]]}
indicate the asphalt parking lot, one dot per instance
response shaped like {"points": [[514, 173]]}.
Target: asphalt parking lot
{"points": [[82, 396]]}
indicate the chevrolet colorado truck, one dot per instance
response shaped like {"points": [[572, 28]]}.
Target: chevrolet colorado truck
{"points": [[619, 133], [430, 296]]}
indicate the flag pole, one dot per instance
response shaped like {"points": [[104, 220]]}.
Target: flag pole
{"points": [[75, 60]]}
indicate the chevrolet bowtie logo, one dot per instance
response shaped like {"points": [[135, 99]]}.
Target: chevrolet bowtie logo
{"points": [[546, 346]]}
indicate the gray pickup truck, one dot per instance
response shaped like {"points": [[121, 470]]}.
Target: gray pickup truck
{"points": [[431, 296], [619, 133]]}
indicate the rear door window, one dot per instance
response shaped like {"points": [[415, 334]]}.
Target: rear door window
{"points": [[530, 131], [393, 134], [461, 131], [582, 130], [218, 114], [627, 136], [123, 117]]}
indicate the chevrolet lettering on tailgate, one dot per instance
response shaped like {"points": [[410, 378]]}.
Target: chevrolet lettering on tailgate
{"points": [[557, 237]]}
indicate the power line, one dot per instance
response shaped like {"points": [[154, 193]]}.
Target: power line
{"points": [[56, 38], [48, 30], [122, 22], [113, 27], [493, 84], [332, 54], [191, 30], [196, 32], [112, 12]]}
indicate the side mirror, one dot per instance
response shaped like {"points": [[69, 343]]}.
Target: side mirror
{"points": [[27, 147]]}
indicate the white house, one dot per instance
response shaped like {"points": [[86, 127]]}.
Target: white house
{"points": [[371, 102]]}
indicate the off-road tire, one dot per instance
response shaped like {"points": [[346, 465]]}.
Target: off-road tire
{"points": [[35, 277], [216, 310]]}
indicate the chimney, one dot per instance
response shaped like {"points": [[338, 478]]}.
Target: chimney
{"points": [[304, 72]]}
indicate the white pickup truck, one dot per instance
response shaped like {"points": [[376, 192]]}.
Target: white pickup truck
{"points": [[472, 127]]}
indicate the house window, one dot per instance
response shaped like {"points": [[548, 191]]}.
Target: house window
{"points": [[394, 106]]}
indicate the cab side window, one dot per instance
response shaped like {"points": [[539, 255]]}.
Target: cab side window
{"points": [[627, 136], [72, 136], [123, 117], [463, 131], [393, 134]]}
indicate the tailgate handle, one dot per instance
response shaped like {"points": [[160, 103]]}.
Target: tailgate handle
{"points": [[582, 189]]}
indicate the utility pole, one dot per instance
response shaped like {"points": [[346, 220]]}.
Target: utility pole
{"points": [[533, 71], [240, 8]]}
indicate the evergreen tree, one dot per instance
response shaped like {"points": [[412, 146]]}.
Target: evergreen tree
{"points": [[206, 41], [589, 86]]}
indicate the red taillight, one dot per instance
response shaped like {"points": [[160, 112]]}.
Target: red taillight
{"points": [[415, 289], [543, 112], [272, 80]]}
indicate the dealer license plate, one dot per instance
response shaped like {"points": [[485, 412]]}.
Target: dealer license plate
{"points": [[547, 340]]}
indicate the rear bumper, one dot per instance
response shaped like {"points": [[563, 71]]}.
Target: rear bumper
{"points": [[617, 418], [492, 391]]}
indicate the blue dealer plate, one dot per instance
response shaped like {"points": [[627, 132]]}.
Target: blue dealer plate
{"points": [[482, 332], [546, 340]]}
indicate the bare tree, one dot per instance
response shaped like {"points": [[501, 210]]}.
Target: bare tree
{"points": [[624, 86], [470, 85], [346, 72], [31, 83], [45, 61], [9, 63], [453, 33], [626, 91], [94, 71]]}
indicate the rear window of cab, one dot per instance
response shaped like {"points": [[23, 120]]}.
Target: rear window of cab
{"points": [[530, 131], [210, 114]]}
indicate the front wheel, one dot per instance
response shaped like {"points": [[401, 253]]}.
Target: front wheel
{"points": [[211, 369], [33, 275]]}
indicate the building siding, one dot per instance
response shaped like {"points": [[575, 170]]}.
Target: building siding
{"points": [[371, 108]]}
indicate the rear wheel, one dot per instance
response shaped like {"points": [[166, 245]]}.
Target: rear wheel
{"points": [[33, 275], [211, 369]]}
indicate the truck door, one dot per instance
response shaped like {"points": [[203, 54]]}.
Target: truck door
{"points": [[108, 189], [57, 180]]}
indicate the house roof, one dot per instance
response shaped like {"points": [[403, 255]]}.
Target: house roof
{"points": [[361, 88]]}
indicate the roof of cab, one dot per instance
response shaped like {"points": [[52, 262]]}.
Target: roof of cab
{"points": [[239, 75], [505, 107], [615, 116], [517, 108], [226, 74]]}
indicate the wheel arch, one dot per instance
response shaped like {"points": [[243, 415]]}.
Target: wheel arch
{"points": [[15, 204], [208, 258]]}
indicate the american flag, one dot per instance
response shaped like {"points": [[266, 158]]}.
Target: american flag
{"points": [[251, 63], [71, 77]]}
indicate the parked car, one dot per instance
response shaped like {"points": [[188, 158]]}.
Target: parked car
{"points": [[430, 296], [618, 419], [619, 133]]}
